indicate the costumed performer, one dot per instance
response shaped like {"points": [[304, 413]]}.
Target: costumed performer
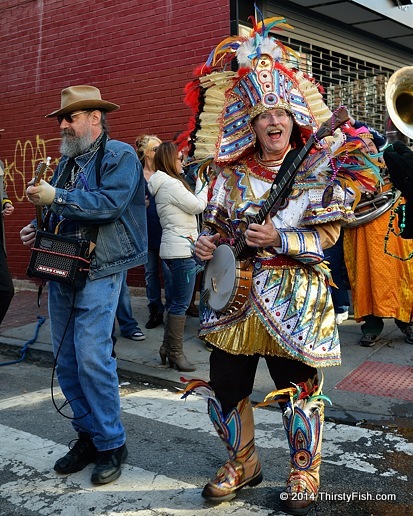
{"points": [[247, 122], [370, 253], [335, 254]]}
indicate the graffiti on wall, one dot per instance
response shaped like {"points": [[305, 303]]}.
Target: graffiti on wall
{"points": [[27, 156]]}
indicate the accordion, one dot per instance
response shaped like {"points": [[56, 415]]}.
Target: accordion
{"points": [[59, 258]]}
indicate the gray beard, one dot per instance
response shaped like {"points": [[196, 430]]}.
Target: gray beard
{"points": [[73, 146]]}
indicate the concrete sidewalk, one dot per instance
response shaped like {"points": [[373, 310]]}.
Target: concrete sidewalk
{"points": [[373, 385]]}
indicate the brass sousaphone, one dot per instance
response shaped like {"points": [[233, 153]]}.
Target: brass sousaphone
{"points": [[399, 125], [399, 101]]}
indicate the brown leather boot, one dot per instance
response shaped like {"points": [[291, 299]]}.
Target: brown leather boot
{"points": [[176, 357], [244, 467]]}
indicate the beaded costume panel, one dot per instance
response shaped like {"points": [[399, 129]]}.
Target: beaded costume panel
{"points": [[289, 311]]}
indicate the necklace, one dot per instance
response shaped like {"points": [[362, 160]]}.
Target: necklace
{"points": [[273, 162], [401, 211], [269, 163], [266, 170]]}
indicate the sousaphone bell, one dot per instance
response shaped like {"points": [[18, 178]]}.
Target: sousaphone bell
{"points": [[399, 100]]}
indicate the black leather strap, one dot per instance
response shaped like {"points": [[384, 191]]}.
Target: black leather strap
{"points": [[286, 164]]}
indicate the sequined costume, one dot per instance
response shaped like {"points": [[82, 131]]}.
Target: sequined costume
{"points": [[289, 306]]}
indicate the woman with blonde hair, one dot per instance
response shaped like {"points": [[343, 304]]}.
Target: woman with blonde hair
{"points": [[146, 146], [177, 207]]}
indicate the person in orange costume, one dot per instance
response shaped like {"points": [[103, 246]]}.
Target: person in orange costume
{"points": [[380, 283]]}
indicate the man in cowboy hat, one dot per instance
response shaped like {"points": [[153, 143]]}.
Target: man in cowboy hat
{"points": [[80, 196]]}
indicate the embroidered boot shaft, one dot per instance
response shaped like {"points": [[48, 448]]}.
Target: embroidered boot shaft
{"points": [[236, 430], [304, 425], [303, 418]]}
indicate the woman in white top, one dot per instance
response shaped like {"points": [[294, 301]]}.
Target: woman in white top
{"points": [[176, 206], [146, 145]]}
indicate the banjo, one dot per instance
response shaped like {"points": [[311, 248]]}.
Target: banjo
{"points": [[228, 275]]}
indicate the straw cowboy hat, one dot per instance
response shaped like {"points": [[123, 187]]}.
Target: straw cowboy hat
{"points": [[82, 97]]}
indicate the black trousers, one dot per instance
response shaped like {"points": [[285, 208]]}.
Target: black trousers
{"points": [[232, 376], [6, 284]]}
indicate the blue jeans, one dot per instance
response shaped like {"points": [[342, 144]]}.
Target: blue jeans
{"points": [[183, 272], [127, 323], [153, 282], [81, 323]]}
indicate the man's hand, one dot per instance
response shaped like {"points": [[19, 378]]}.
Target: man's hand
{"points": [[8, 209], [205, 246], [262, 235], [28, 235], [42, 195], [399, 160]]}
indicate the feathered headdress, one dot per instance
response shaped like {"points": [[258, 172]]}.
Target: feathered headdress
{"points": [[225, 102]]}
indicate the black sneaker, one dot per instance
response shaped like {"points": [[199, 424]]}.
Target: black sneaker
{"points": [[77, 458], [108, 465], [368, 340], [408, 334], [155, 319]]}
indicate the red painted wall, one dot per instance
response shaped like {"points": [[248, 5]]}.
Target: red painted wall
{"points": [[140, 53]]}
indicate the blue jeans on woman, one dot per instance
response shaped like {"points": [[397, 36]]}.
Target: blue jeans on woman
{"points": [[127, 323], [153, 282], [81, 322], [183, 271]]}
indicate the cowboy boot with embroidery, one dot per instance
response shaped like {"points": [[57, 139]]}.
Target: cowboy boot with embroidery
{"points": [[236, 430], [303, 422], [303, 418]]}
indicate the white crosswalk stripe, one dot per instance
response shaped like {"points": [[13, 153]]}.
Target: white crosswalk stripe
{"points": [[74, 495], [143, 492], [24, 399], [167, 407]]}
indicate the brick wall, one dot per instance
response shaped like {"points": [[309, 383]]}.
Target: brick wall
{"points": [[140, 53]]}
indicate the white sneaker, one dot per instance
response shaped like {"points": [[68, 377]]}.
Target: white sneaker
{"points": [[340, 318], [136, 335]]}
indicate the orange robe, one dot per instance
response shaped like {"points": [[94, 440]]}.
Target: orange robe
{"points": [[380, 284]]}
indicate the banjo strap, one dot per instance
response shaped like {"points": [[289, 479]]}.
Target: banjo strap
{"points": [[285, 166]]}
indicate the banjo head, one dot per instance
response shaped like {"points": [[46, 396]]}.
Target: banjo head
{"points": [[220, 278]]}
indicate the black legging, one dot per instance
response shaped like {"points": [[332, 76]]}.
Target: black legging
{"points": [[232, 376], [6, 282]]}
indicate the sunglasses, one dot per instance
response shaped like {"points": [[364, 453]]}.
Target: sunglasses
{"points": [[69, 117]]}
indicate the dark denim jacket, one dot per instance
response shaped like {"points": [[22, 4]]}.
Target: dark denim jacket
{"points": [[117, 204]]}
